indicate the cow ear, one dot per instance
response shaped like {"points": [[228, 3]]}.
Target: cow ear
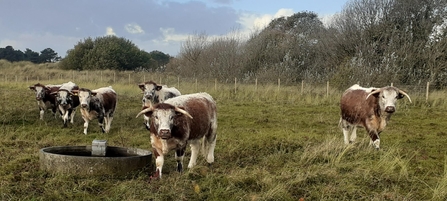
{"points": [[158, 87], [32, 88], [94, 93], [74, 92], [141, 86]]}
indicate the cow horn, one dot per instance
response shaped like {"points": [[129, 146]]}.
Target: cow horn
{"points": [[177, 109], [373, 92], [405, 94], [144, 111]]}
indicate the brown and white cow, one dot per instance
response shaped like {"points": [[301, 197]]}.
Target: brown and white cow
{"points": [[154, 93], [66, 101], [97, 104], [45, 100], [370, 108], [182, 120]]}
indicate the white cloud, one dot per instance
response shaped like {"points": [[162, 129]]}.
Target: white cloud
{"points": [[134, 28], [284, 12], [252, 23], [109, 31], [170, 35]]}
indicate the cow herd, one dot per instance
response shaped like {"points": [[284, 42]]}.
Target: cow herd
{"points": [[175, 120]]}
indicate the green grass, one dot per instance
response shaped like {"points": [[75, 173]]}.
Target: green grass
{"points": [[271, 145]]}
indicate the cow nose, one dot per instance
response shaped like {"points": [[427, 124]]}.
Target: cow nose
{"points": [[84, 105], [390, 109], [37, 98], [164, 134]]}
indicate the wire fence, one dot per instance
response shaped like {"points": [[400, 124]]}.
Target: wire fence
{"points": [[109, 77]]}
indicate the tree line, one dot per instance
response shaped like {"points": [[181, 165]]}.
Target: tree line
{"points": [[45, 56], [371, 42]]}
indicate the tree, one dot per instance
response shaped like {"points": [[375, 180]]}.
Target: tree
{"points": [[31, 56], [48, 55], [108, 52], [10, 54]]}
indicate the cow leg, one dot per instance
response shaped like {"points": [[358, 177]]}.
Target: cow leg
{"points": [[86, 121], [108, 123], [101, 124], [209, 145], [195, 147], [159, 161], [347, 129], [72, 114], [54, 112], [353, 134], [65, 118], [375, 140], [179, 155], [41, 113]]}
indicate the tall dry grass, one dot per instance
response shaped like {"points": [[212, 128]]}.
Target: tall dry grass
{"points": [[273, 144]]}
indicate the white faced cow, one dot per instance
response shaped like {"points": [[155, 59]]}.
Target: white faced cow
{"points": [[45, 100], [66, 102], [97, 104], [370, 108], [154, 93], [185, 119]]}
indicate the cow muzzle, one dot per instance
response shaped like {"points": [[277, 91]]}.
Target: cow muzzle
{"points": [[83, 105], [390, 109], [164, 134]]}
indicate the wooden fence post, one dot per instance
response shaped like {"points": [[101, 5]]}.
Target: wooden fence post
{"points": [[302, 87], [129, 78], [215, 84], [196, 84], [256, 84], [235, 85], [279, 83], [426, 92], [327, 89], [178, 82]]}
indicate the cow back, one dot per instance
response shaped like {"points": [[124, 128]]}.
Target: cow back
{"points": [[201, 107], [108, 100], [355, 108]]}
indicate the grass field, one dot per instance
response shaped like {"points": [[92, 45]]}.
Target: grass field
{"points": [[270, 146]]}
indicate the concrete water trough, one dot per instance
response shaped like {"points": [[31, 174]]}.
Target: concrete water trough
{"points": [[97, 159]]}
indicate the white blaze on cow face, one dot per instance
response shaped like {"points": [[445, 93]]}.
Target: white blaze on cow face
{"points": [[149, 91], [84, 98], [63, 97], [387, 100], [40, 92], [163, 121]]}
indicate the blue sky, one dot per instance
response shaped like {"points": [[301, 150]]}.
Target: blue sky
{"points": [[150, 24]]}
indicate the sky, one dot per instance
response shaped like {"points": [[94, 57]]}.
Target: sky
{"points": [[161, 25]]}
